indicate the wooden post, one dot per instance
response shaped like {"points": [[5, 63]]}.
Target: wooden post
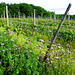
{"points": [[49, 47], [34, 16], [31, 15], [7, 16], [41, 16], [14, 15], [1, 16], [19, 14], [7, 20], [54, 18], [4, 15], [23, 16], [68, 18]]}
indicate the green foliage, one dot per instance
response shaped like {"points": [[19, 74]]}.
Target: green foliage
{"points": [[23, 54]]}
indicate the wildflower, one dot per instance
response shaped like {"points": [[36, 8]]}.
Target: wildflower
{"points": [[44, 50], [51, 61], [51, 48], [36, 45], [28, 56], [47, 59], [49, 31], [0, 62], [9, 48], [12, 32], [33, 59], [39, 45], [48, 62], [51, 42], [18, 26], [67, 45], [49, 54], [52, 51], [40, 48], [47, 48], [56, 53], [19, 48], [29, 39], [30, 51], [47, 51], [26, 51], [59, 47], [62, 50], [56, 57], [74, 50], [3, 50], [27, 42], [2, 44], [58, 44], [14, 45], [17, 38], [17, 55], [52, 45], [41, 40], [69, 52]]}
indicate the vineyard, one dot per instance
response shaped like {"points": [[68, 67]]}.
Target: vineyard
{"points": [[22, 49]]}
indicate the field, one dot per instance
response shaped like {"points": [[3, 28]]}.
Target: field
{"points": [[23, 49]]}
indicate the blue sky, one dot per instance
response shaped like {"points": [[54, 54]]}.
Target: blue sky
{"points": [[59, 6]]}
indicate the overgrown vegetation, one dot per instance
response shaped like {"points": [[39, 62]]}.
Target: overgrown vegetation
{"points": [[23, 50]]}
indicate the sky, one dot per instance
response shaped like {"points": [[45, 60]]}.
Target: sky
{"points": [[59, 6]]}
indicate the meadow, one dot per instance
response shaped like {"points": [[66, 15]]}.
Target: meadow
{"points": [[23, 49]]}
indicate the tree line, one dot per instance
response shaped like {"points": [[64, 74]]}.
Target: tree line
{"points": [[24, 9], [27, 10]]}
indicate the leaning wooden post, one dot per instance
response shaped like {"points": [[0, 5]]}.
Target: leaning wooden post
{"points": [[49, 47], [34, 16]]}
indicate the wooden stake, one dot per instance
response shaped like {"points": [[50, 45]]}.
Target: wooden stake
{"points": [[7, 16], [54, 18], [14, 15], [34, 16], [68, 18], [19, 14], [49, 47]]}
